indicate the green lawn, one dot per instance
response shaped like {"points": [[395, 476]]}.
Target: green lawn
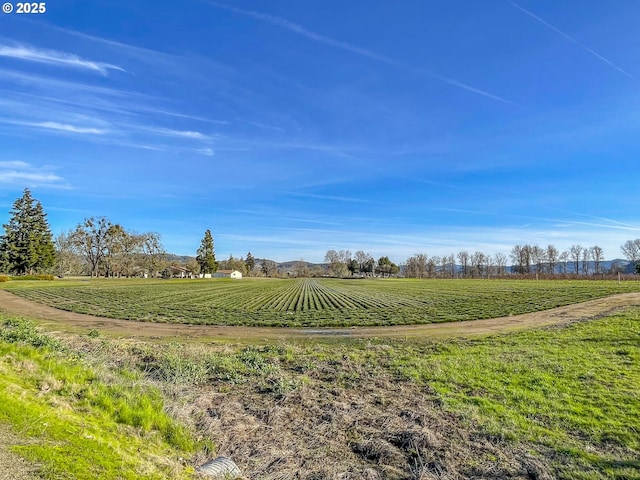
{"points": [[312, 302], [574, 390], [74, 423]]}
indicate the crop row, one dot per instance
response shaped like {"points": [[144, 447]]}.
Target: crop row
{"points": [[313, 302]]}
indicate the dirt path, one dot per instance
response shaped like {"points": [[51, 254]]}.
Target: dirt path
{"points": [[69, 321]]}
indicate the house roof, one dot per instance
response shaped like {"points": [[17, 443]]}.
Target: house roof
{"points": [[181, 269], [227, 271]]}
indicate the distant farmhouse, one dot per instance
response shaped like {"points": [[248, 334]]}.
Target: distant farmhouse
{"points": [[227, 274], [179, 272]]}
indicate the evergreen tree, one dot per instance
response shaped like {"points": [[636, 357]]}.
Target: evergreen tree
{"points": [[206, 255], [27, 245], [386, 267], [4, 256], [354, 266], [250, 263], [45, 248]]}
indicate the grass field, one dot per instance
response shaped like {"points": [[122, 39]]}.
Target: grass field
{"points": [[561, 402], [312, 302], [76, 422]]}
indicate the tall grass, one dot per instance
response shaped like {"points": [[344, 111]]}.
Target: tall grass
{"points": [[78, 424]]}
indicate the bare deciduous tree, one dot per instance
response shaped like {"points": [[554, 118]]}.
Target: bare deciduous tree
{"points": [[576, 252], [432, 265], [597, 254], [564, 258], [501, 263], [269, 267], [463, 258], [416, 266], [153, 254], [631, 250], [452, 265], [552, 258], [365, 262], [521, 256], [478, 264], [300, 268], [586, 254], [444, 266], [538, 257], [90, 238], [338, 261], [67, 261]]}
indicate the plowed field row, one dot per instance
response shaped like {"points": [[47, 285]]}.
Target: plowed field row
{"points": [[312, 302]]}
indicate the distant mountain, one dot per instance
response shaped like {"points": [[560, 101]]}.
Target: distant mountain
{"points": [[608, 266], [623, 266], [179, 259]]}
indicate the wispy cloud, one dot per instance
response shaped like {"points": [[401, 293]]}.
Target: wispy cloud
{"points": [[13, 176], [185, 133], [57, 126], [140, 51], [178, 64], [599, 225], [64, 127], [13, 164], [54, 57], [65, 89], [334, 198], [294, 27], [336, 150], [571, 39], [604, 219], [207, 152], [100, 111], [300, 30], [18, 172], [123, 134], [180, 115], [168, 132]]}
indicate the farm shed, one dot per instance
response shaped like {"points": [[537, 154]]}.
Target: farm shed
{"points": [[227, 274], [179, 272]]}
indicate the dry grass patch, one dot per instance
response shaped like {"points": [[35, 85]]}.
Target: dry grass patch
{"points": [[14, 467], [345, 421]]}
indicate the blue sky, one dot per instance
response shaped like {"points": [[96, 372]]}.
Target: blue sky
{"points": [[290, 127]]}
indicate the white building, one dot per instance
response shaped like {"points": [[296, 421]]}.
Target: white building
{"points": [[228, 274]]}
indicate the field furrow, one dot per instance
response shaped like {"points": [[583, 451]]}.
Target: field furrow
{"points": [[312, 302]]}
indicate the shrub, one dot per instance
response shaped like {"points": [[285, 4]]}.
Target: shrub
{"points": [[40, 276], [17, 330], [4, 278]]}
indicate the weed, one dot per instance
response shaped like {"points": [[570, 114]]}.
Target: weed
{"points": [[17, 330], [93, 333]]}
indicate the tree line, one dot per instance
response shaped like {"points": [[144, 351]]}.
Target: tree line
{"points": [[99, 247], [95, 247], [341, 264], [525, 260]]}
